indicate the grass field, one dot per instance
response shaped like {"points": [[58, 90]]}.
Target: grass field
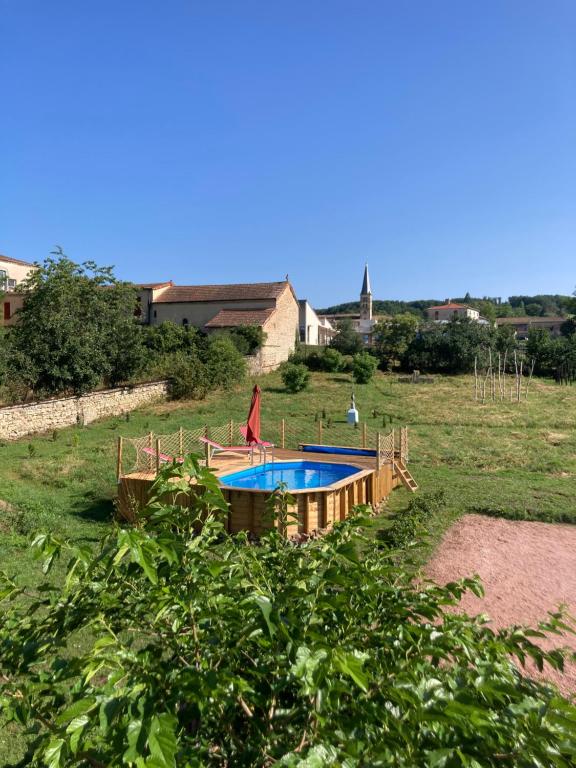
{"points": [[510, 459]]}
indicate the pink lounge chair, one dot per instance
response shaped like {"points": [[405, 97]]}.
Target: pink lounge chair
{"points": [[263, 445], [213, 447], [162, 456]]}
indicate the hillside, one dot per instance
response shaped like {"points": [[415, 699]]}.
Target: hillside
{"points": [[540, 305]]}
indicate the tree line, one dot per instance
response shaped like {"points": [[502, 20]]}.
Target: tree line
{"points": [[78, 331], [541, 305]]}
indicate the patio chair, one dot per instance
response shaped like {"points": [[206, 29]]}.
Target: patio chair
{"points": [[212, 448], [162, 456], [262, 445]]}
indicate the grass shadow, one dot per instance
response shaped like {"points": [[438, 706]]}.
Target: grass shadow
{"points": [[95, 509]]}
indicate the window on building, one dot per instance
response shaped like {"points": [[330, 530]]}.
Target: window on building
{"points": [[436, 315], [11, 284], [7, 314], [3, 277], [185, 322], [155, 313]]}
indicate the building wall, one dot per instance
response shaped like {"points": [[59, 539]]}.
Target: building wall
{"points": [[447, 314], [45, 416], [10, 303], [18, 272], [281, 331], [198, 313], [312, 329]]}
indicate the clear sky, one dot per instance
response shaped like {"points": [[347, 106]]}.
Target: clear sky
{"points": [[209, 141]]}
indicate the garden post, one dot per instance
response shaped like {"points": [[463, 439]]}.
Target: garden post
{"points": [[157, 455], [364, 435], [283, 434], [119, 460]]}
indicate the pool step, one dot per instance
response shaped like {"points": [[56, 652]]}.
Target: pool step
{"points": [[405, 476]]}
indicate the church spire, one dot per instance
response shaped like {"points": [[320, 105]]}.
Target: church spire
{"points": [[366, 297], [366, 283]]}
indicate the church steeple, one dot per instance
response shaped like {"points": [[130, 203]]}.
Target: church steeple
{"points": [[366, 297]]}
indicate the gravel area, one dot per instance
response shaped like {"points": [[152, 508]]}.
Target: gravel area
{"points": [[527, 569]]}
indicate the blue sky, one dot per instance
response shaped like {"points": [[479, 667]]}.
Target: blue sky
{"points": [[239, 141]]}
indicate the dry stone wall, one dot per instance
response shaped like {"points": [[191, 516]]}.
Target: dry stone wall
{"points": [[44, 416]]}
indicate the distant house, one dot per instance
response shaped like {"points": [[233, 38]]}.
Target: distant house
{"points": [[12, 273], [313, 329], [365, 322], [272, 306], [523, 325], [442, 313]]}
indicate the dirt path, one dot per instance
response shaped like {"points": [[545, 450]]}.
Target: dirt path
{"points": [[527, 569]]}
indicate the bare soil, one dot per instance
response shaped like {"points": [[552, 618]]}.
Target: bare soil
{"points": [[527, 569]]}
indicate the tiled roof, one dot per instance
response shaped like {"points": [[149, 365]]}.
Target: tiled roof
{"points": [[155, 285], [230, 318], [452, 305], [239, 292], [9, 260]]}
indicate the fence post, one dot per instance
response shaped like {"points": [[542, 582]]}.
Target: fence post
{"points": [[365, 435], [230, 432], [283, 434], [319, 431], [150, 445], [181, 443], [378, 450], [119, 460], [393, 445], [157, 455]]}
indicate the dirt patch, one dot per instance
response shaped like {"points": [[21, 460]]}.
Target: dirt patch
{"points": [[527, 569]]}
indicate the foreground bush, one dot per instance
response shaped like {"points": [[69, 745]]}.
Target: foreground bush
{"points": [[174, 648]]}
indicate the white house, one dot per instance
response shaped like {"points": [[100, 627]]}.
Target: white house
{"points": [[313, 329]]}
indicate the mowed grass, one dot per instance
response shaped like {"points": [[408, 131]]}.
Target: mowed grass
{"points": [[513, 459]]}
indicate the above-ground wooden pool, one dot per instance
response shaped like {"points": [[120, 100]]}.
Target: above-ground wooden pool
{"points": [[338, 479]]}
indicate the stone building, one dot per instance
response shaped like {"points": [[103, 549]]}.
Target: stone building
{"points": [[442, 313], [12, 273], [272, 306]]}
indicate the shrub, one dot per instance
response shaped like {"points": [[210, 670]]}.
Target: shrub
{"points": [[363, 367], [225, 365], [295, 376], [188, 376], [413, 519], [332, 360], [177, 644]]}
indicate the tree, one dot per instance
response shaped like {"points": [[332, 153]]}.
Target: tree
{"points": [[76, 329], [295, 376], [176, 644], [449, 348], [225, 365], [347, 340], [568, 327], [332, 361], [363, 367], [393, 337]]}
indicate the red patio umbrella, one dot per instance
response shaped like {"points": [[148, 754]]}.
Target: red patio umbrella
{"points": [[253, 421]]}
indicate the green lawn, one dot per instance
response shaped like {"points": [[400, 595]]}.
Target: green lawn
{"points": [[515, 459]]}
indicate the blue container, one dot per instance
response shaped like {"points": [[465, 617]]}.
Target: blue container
{"points": [[340, 450]]}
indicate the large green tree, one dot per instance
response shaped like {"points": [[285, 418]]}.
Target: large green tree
{"points": [[347, 341], [177, 645], [77, 328], [393, 337]]}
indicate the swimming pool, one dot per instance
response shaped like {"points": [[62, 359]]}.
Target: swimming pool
{"points": [[298, 475]]}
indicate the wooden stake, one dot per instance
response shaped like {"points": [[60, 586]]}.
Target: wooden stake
{"points": [[319, 431], [231, 433], [283, 433], [365, 435], [157, 455], [181, 443], [150, 445], [119, 460], [378, 450]]}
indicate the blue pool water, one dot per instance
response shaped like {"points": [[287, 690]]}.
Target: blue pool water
{"points": [[338, 450], [296, 474]]}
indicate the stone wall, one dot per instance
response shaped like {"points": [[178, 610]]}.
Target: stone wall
{"points": [[44, 416]]}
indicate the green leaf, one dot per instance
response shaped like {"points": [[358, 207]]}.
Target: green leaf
{"points": [[136, 741], [75, 729], [351, 665], [76, 709], [265, 606], [54, 753], [162, 740]]}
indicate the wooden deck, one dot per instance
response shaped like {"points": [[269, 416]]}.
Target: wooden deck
{"points": [[314, 509]]}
